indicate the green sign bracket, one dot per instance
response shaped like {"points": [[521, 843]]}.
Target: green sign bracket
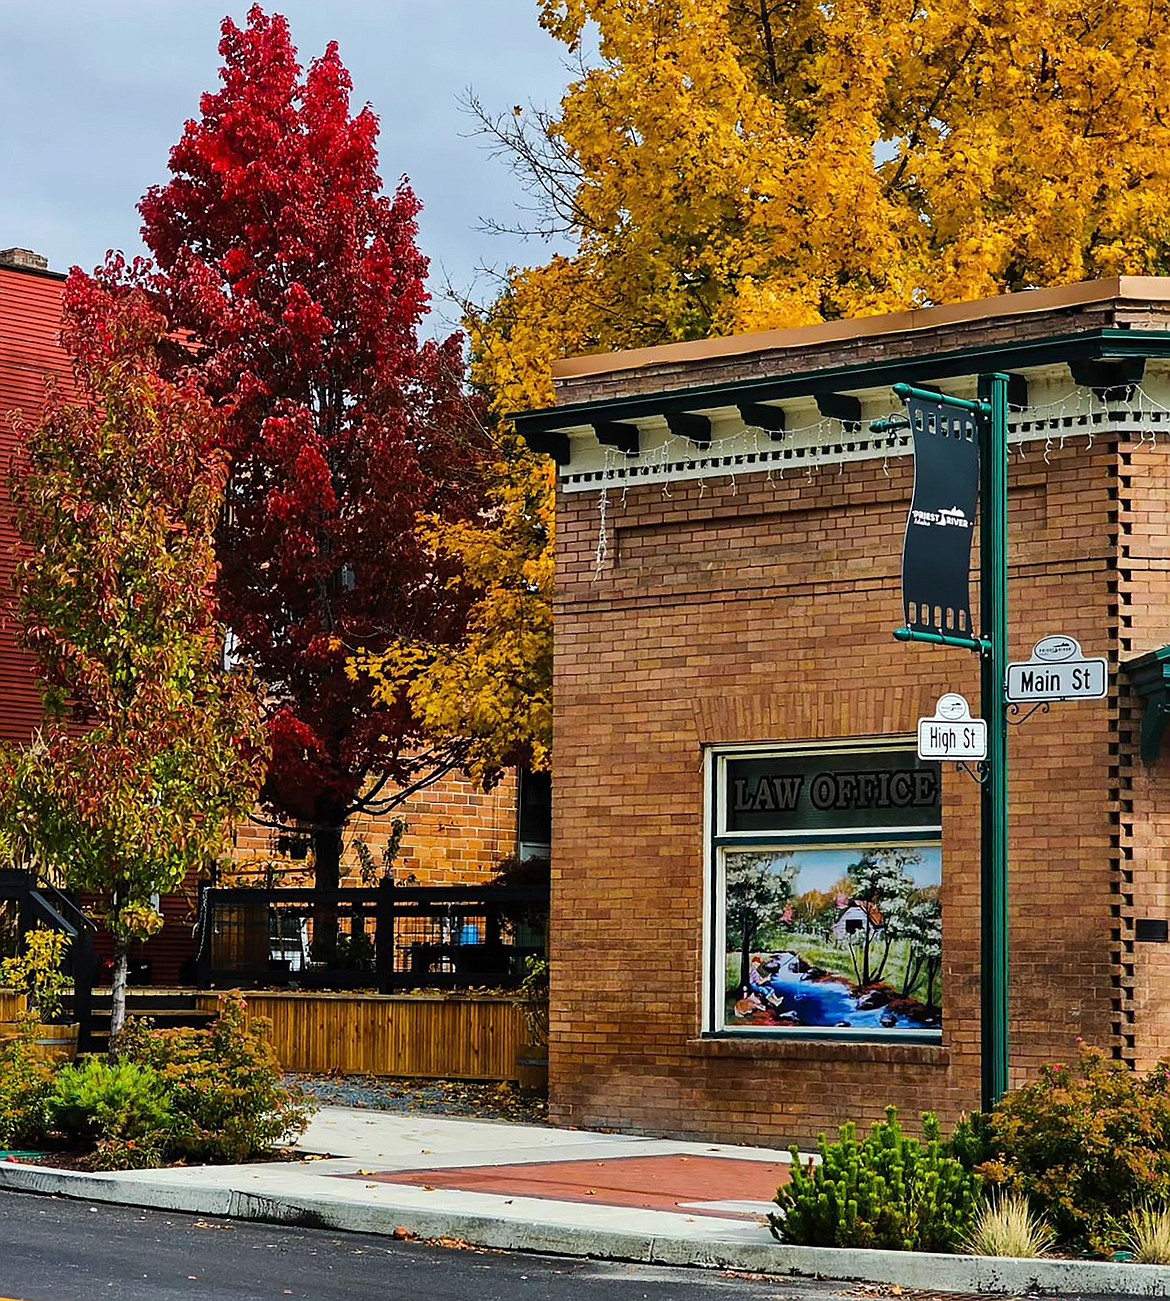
{"points": [[980, 645]]}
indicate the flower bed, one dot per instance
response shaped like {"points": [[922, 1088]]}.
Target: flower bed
{"points": [[214, 1095], [1076, 1163]]}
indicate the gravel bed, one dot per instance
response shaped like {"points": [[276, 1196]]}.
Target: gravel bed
{"points": [[483, 1101]]}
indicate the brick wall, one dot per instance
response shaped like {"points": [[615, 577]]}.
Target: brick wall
{"points": [[1142, 1014], [456, 834], [761, 611]]}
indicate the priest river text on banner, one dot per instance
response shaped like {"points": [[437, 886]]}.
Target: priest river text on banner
{"points": [[936, 559]]}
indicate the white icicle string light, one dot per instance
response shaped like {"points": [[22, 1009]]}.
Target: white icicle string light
{"points": [[602, 538], [827, 441]]}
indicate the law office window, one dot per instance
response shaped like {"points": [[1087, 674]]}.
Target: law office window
{"points": [[825, 902]]}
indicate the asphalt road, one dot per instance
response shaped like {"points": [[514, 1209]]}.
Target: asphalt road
{"points": [[56, 1250]]}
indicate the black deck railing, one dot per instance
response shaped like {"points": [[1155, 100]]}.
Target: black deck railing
{"points": [[385, 937], [26, 904]]}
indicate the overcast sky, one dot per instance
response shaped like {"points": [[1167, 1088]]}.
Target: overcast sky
{"points": [[93, 94]]}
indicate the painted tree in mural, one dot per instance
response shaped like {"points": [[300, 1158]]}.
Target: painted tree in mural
{"points": [[732, 165], [881, 885], [302, 287], [920, 926], [759, 888], [150, 751]]}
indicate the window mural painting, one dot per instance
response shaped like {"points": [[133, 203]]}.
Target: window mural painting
{"points": [[831, 938]]}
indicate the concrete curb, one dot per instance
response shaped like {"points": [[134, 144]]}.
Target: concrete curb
{"points": [[915, 1270]]}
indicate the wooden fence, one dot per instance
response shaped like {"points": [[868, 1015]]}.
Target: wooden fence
{"points": [[370, 1034]]}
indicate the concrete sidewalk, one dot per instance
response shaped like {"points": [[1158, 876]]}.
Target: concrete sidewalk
{"points": [[572, 1192]]}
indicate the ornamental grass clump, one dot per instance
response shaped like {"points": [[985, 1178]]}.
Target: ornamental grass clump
{"points": [[1147, 1234], [1005, 1225], [887, 1191]]}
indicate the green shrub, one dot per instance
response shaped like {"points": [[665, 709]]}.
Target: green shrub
{"points": [[1081, 1141], [227, 1097], [26, 1080], [37, 973], [888, 1190], [98, 1101], [971, 1141]]}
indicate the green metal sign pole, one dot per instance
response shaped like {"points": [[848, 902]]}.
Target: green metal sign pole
{"points": [[993, 598], [991, 415]]}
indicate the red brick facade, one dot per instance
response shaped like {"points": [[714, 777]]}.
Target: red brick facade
{"points": [[456, 834], [759, 609]]}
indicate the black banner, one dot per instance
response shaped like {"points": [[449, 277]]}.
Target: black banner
{"points": [[936, 558]]}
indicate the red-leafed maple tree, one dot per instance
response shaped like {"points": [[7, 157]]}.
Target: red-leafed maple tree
{"points": [[302, 288]]}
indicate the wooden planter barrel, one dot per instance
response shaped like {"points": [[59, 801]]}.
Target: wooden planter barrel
{"points": [[532, 1067], [57, 1043]]}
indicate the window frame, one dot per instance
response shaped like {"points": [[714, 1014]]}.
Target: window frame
{"points": [[719, 841]]}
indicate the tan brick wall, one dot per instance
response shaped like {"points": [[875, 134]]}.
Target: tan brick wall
{"points": [[761, 611], [1143, 1012], [456, 835]]}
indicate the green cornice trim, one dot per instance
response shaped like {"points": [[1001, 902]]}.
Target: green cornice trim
{"points": [[1086, 345], [1150, 676]]}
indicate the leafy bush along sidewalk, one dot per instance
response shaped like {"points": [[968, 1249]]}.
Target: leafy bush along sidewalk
{"points": [[1078, 1162], [214, 1095]]}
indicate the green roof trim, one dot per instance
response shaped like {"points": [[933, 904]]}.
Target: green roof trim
{"points": [[1150, 676], [1085, 346]]}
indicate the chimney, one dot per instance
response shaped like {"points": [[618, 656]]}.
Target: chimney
{"points": [[23, 259]]}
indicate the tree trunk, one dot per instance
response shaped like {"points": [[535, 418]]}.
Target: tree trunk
{"points": [[326, 882], [118, 991], [932, 967], [745, 956]]}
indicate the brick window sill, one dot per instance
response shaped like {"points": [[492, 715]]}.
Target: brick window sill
{"points": [[821, 1050]]}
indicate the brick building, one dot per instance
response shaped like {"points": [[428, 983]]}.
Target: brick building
{"points": [[455, 832], [750, 862]]}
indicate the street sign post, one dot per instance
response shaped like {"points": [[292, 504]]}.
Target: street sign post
{"points": [[1057, 671], [952, 733], [946, 416]]}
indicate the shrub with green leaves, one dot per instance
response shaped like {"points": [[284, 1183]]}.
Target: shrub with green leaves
{"points": [[26, 1080], [227, 1096], [888, 1190], [1081, 1141], [118, 1103]]}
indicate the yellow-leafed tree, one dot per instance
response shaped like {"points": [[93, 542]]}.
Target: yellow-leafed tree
{"points": [[733, 165]]}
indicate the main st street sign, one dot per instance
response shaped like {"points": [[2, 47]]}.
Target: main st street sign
{"points": [[1056, 671]]}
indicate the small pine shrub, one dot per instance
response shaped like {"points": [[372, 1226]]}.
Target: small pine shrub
{"points": [[26, 1080], [1082, 1140], [888, 1190], [121, 1102], [1147, 1234], [1006, 1226], [971, 1142], [227, 1096]]}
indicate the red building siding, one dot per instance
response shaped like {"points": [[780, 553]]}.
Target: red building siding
{"points": [[30, 319]]}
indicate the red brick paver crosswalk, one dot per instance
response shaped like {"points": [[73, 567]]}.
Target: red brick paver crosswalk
{"points": [[659, 1183]]}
